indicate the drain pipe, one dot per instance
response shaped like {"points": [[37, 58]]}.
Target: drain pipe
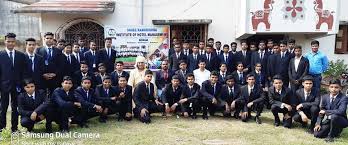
{"points": [[142, 12]]}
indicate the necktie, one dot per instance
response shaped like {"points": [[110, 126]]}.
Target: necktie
{"points": [[244, 53], [241, 77], [87, 95], [165, 73], [261, 55], [11, 58], [306, 96], [184, 73], [208, 57], [49, 55], [230, 92], [78, 57], [214, 90], [226, 57], [195, 57], [32, 101], [223, 76], [251, 92], [148, 88], [282, 55], [185, 52], [177, 55], [32, 62], [109, 53], [331, 102], [107, 92], [69, 59]]}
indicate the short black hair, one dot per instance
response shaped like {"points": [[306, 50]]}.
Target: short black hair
{"points": [[67, 44], [223, 63], [76, 44], [315, 42], [61, 41], [190, 75], [283, 42], [226, 45], [83, 63], [182, 61], [106, 77], [298, 47], [214, 73], [307, 78], [234, 43], [67, 78], [30, 40], [200, 61], [10, 35], [262, 41], [243, 41], [186, 41], [148, 72], [201, 41], [108, 38], [175, 77], [209, 46], [119, 62], [28, 81], [229, 77], [211, 39], [101, 65], [86, 78], [292, 41], [48, 34], [123, 76], [335, 82], [250, 75], [218, 42], [238, 63], [277, 77]]}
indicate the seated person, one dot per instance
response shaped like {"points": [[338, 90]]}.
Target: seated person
{"points": [[333, 113], [280, 98], [253, 98], [124, 99], [189, 97], [307, 106], [68, 105], [230, 98], [106, 96], [145, 100], [85, 95], [32, 106], [210, 93], [171, 95]]}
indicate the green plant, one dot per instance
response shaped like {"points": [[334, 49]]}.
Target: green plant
{"points": [[336, 69]]}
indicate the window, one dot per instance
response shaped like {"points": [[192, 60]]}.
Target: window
{"points": [[191, 33], [342, 40]]}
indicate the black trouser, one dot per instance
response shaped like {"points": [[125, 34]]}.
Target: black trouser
{"points": [[238, 108], [5, 98], [311, 113], [294, 87], [152, 107], [110, 105], [332, 128], [191, 106], [258, 107], [276, 109], [86, 113], [29, 124], [69, 112], [51, 85], [207, 105], [121, 108]]}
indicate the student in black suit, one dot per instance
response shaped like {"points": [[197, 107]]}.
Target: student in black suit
{"points": [[271, 70], [253, 98], [12, 71], [33, 106], [53, 66], [260, 77], [82, 42], [244, 56], [189, 98], [107, 55], [35, 63], [145, 100], [239, 75], [211, 60], [298, 68], [101, 74], [79, 56], [201, 47], [291, 45], [175, 58], [227, 58], [124, 99], [186, 48], [61, 44], [282, 63], [280, 99], [69, 62], [223, 73], [68, 104], [86, 96], [210, 93], [92, 57], [83, 72], [260, 56], [217, 48], [181, 73], [308, 99], [332, 115], [171, 96], [106, 96], [270, 44], [230, 97], [193, 59], [118, 72], [163, 77]]}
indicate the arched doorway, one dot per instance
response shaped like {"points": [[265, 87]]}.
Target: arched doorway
{"points": [[87, 28]]}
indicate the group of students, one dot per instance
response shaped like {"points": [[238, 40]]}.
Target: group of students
{"points": [[71, 83]]}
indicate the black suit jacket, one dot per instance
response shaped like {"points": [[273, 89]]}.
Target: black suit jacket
{"points": [[229, 97], [64, 100], [277, 99], [182, 76], [312, 100], [190, 93], [256, 96], [255, 58], [192, 63], [302, 69], [230, 63], [246, 60], [161, 81], [69, 68], [222, 79], [102, 96], [36, 75], [207, 90], [108, 61], [174, 61], [114, 77], [77, 77], [214, 62], [337, 107], [53, 64], [237, 80], [92, 60], [260, 79], [128, 96], [282, 65], [11, 76], [142, 97], [26, 106], [87, 102], [170, 96]]}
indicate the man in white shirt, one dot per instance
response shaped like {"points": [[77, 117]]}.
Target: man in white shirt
{"points": [[201, 73]]}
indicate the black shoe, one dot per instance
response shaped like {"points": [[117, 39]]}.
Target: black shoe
{"points": [[329, 139], [310, 131], [276, 123], [194, 116], [258, 120], [205, 117], [304, 125], [14, 130]]}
